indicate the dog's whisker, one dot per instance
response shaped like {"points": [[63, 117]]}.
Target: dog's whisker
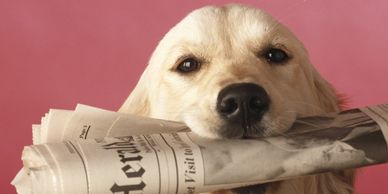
{"points": [[308, 123], [317, 108], [279, 125]]}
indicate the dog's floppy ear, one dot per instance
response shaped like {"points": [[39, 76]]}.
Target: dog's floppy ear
{"points": [[138, 101], [327, 98], [325, 95]]}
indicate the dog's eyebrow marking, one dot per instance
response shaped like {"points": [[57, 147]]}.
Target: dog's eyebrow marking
{"points": [[183, 57], [280, 46]]}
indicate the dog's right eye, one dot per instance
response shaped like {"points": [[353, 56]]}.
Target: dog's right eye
{"points": [[188, 65], [276, 56]]}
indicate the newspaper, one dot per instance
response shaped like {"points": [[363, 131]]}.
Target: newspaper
{"points": [[90, 150]]}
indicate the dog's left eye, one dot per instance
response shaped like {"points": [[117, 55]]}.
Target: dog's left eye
{"points": [[188, 65], [276, 56]]}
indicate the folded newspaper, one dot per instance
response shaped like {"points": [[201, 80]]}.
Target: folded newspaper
{"points": [[90, 150]]}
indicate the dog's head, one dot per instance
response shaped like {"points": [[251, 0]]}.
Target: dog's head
{"points": [[230, 71]]}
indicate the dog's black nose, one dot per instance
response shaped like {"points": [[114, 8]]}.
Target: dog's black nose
{"points": [[243, 103]]}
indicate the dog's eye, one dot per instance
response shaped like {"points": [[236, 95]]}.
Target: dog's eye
{"points": [[188, 65], [276, 56]]}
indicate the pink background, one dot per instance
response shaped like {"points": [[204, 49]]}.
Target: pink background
{"points": [[60, 53]]}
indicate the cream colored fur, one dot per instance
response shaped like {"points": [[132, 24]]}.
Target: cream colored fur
{"points": [[228, 40]]}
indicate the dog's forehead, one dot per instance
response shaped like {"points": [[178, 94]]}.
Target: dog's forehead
{"points": [[227, 32], [226, 22]]}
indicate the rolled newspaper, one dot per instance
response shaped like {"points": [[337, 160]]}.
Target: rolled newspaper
{"points": [[133, 160]]}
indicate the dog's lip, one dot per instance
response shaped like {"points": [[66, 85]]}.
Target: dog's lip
{"points": [[243, 133], [248, 137], [246, 127]]}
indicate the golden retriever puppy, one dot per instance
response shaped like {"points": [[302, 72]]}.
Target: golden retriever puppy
{"points": [[236, 72]]}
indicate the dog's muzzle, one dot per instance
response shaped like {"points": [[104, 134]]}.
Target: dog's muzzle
{"points": [[243, 104]]}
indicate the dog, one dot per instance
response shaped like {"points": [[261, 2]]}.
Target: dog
{"points": [[235, 72]]}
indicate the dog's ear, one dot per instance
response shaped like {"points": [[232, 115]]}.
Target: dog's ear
{"points": [[326, 95], [138, 101]]}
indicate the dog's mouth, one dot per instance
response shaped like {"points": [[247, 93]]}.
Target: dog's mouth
{"points": [[252, 131], [268, 125], [251, 128], [241, 111], [213, 126], [244, 130]]}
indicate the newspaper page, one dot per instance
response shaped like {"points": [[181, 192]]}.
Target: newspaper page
{"points": [[88, 122], [182, 162]]}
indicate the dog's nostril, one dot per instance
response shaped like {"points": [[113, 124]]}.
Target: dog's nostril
{"points": [[228, 106], [256, 104]]}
